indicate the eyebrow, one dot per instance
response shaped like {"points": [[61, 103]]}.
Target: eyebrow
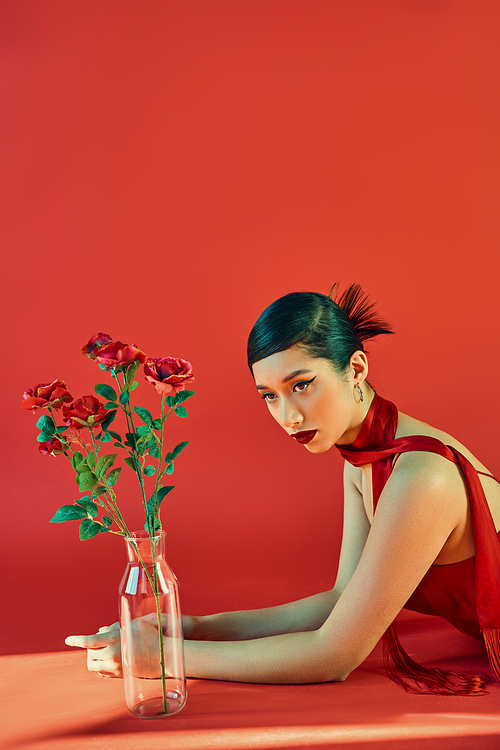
{"points": [[286, 378]]}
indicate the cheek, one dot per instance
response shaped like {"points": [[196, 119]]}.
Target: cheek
{"points": [[273, 411]]}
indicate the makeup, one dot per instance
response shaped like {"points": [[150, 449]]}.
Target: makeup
{"points": [[304, 437]]}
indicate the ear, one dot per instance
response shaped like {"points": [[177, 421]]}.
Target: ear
{"points": [[358, 367]]}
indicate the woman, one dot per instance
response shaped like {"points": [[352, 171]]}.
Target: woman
{"points": [[432, 545]]}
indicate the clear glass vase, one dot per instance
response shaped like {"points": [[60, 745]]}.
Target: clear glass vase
{"points": [[151, 630]]}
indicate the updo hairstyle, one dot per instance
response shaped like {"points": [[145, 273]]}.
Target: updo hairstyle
{"points": [[332, 327]]}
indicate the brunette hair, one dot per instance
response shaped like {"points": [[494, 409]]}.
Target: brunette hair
{"points": [[332, 326]]}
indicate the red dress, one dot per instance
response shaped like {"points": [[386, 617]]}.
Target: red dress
{"points": [[467, 593]]}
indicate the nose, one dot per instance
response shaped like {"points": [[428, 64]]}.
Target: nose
{"points": [[290, 415]]}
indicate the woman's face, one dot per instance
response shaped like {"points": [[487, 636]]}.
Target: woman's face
{"points": [[309, 399]]}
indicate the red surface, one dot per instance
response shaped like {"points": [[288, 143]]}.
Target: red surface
{"points": [[61, 705], [168, 169]]}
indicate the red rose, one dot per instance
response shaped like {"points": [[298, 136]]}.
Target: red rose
{"points": [[118, 355], [52, 447], [96, 342], [76, 415], [46, 394], [168, 374]]}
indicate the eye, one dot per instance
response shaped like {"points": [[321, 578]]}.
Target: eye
{"points": [[269, 396], [302, 385]]}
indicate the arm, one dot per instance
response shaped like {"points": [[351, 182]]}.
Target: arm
{"points": [[415, 516], [303, 615]]}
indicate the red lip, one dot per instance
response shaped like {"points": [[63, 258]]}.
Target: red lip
{"points": [[303, 437]]}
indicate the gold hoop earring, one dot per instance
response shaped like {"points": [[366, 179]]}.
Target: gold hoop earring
{"points": [[360, 392]]}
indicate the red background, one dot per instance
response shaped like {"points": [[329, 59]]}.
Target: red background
{"points": [[171, 168]]}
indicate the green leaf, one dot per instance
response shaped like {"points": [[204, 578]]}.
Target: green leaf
{"points": [[60, 430], [104, 463], [184, 395], [162, 492], [110, 405], [131, 370], [107, 420], [86, 481], [44, 437], [115, 435], [157, 424], [88, 506], [107, 521], [151, 506], [106, 391], [140, 448], [152, 524], [130, 461], [97, 491], [113, 475], [76, 459], [143, 429], [170, 468], [106, 438], [171, 400], [90, 460], [68, 513], [180, 411], [133, 385], [144, 414], [169, 457], [149, 470], [179, 448], [130, 439], [46, 424], [153, 449], [102, 529], [124, 398], [88, 529], [98, 436], [102, 367]]}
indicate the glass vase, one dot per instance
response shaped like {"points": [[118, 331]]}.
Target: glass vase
{"points": [[151, 630]]}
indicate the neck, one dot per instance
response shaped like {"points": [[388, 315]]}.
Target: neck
{"points": [[360, 411]]}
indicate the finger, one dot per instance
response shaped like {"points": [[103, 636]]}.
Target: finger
{"points": [[103, 666], [108, 628], [102, 654], [99, 640]]}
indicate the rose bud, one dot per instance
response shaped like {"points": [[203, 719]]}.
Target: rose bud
{"points": [[97, 341], [52, 447], [46, 394], [168, 374], [77, 414], [118, 355]]}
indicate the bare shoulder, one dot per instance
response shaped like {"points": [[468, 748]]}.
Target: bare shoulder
{"points": [[423, 474], [431, 471], [408, 426]]}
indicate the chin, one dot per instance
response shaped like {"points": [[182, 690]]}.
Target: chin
{"points": [[318, 448]]}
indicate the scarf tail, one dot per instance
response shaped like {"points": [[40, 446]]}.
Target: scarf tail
{"points": [[492, 641], [400, 667]]}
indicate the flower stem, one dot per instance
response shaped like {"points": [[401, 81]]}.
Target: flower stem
{"points": [[160, 629], [158, 474], [154, 583], [131, 427]]}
